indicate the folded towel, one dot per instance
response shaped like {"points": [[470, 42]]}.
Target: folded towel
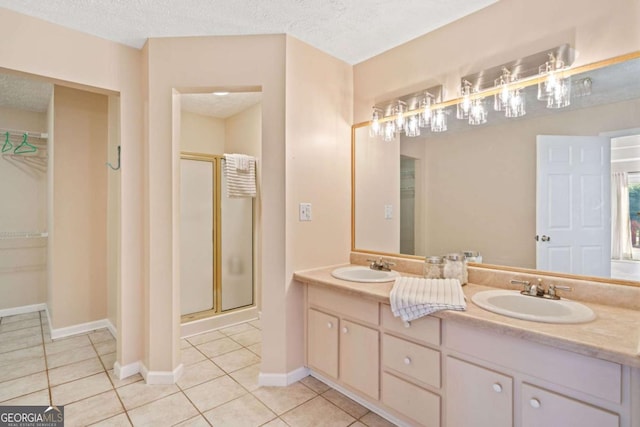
{"points": [[239, 183], [414, 297], [242, 162]]}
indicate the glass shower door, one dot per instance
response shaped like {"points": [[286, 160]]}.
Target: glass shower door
{"points": [[196, 235]]}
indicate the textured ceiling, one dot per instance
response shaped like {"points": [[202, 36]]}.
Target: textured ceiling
{"points": [[352, 30], [24, 94], [220, 107]]}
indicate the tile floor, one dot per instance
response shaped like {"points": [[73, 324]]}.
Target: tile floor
{"points": [[219, 385]]}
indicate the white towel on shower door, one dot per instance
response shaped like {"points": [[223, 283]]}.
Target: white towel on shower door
{"points": [[239, 183]]}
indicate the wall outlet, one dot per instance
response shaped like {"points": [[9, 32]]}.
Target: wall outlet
{"points": [[305, 212], [388, 211]]}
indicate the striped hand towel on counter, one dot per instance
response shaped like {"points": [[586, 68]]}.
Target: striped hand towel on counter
{"points": [[414, 297], [240, 174]]}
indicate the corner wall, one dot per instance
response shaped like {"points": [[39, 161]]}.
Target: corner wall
{"points": [[319, 94]]}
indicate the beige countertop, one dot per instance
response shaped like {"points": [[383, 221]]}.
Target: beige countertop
{"points": [[614, 335]]}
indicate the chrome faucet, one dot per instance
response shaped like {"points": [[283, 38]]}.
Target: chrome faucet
{"points": [[537, 290], [380, 264]]}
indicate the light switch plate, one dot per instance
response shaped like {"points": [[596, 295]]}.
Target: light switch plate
{"points": [[305, 212], [388, 211]]}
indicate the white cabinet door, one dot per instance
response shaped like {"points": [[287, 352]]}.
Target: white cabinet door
{"points": [[359, 357], [542, 408], [477, 396], [322, 342]]}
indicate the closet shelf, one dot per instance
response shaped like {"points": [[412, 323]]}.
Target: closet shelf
{"points": [[6, 235]]}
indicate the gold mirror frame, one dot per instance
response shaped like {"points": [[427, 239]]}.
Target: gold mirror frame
{"points": [[525, 83]]}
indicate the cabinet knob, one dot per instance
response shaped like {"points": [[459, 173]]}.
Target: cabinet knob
{"points": [[407, 360], [535, 403], [497, 387], [407, 324], [345, 330], [329, 325]]}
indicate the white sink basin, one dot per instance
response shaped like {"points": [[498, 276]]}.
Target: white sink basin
{"points": [[514, 304], [356, 273]]}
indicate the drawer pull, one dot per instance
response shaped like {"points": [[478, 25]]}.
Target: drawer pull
{"points": [[407, 360], [345, 330], [535, 403], [329, 325], [497, 387]]}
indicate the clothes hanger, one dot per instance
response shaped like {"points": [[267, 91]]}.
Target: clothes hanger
{"points": [[7, 145], [28, 148]]}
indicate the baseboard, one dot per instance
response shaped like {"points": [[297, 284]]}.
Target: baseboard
{"points": [[282, 380], [22, 309], [112, 329], [122, 372], [81, 328], [161, 377], [370, 406]]}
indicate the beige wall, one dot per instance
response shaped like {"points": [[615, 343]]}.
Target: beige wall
{"points": [[78, 239], [23, 191], [33, 46], [319, 96], [201, 134], [502, 32], [206, 62]]}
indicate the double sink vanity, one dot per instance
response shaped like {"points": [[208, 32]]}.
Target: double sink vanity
{"points": [[569, 364]]}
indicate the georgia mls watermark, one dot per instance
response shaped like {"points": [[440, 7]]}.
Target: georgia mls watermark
{"points": [[32, 416]]}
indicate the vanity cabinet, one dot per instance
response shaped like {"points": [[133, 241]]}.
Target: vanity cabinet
{"points": [[496, 380], [359, 348], [411, 377], [435, 372], [477, 396], [343, 341], [322, 342]]}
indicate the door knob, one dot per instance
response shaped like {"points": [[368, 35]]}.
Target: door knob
{"points": [[545, 238]]}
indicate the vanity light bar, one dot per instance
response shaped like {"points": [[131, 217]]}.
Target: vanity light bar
{"points": [[548, 69]]}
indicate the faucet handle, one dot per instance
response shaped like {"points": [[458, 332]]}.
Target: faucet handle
{"points": [[553, 288], [525, 283]]}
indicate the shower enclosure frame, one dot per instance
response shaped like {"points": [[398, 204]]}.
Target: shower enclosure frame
{"points": [[216, 265]]}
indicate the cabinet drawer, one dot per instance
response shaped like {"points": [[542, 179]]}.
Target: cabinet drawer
{"points": [[604, 379], [544, 408], [346, 305], [426, 329], [411, 401], [411, 359]]}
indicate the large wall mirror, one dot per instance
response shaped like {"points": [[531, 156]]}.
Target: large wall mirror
{"points": [[486, 188]]}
